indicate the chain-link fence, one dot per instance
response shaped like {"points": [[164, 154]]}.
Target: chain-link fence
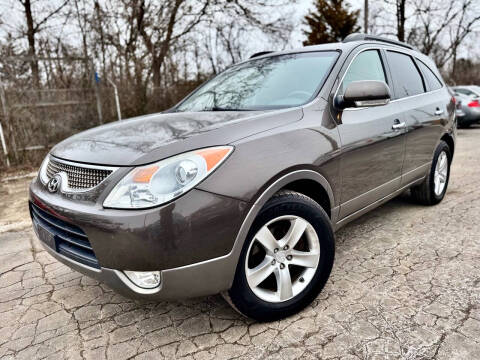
{"points": [[70, 98], [37, 114], [35, 120]]}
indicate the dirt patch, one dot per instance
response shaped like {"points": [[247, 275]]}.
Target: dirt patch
{"points": [[14, 200]]}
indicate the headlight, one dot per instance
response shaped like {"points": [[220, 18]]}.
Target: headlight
{"points": [[158, 183]]}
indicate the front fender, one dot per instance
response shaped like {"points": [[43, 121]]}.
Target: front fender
{"points": [[265, 163]]}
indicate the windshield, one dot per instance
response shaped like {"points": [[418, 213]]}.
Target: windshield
{"points": [[266, 83]]}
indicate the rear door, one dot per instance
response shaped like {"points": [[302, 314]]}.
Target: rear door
{"points": [[423, 102], [373, 143]]}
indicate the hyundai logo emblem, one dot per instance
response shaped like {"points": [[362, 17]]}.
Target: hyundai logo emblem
{"points": [[54, 183]]}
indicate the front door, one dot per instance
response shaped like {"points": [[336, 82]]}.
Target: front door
{"points": [[372, 139]]}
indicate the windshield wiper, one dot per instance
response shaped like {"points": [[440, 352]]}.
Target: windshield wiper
{"points": [[217, 108]]}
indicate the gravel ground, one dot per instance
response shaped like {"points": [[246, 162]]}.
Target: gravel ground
{"points": [[405, 284]]}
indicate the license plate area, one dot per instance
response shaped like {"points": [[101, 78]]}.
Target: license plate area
{"points": [[47, 237]]}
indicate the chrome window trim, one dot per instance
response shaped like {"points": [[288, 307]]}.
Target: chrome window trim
{"points": [[396, 100], [433, 72], [386, 48], [348, 67], [64, 184], [413, 96], [415, 58], [350, 64]]}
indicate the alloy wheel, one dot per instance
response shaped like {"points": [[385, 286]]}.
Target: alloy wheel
{"points": [[441, 173], [282, 258]]}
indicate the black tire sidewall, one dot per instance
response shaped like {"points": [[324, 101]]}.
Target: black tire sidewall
{"points": [[241, 294]]}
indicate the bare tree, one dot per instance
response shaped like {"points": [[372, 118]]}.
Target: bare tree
{"points": [[438, 29], [35, 26], [466, 25], [400, 13], [159, 26], [442, 27]]}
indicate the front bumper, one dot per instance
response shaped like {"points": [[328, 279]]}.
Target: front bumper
{"points": [[189, 240], [200, 279]]}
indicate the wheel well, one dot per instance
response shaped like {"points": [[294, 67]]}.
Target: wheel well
{"points": [[449, 140], [313, 190]]}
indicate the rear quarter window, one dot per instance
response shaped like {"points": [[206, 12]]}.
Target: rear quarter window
{"points": [[433, 83], [406, 77]]}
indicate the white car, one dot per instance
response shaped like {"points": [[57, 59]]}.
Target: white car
{"points": [[469, 90]]}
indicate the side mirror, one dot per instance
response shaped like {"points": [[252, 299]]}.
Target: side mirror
{"points": [[364, 93]]}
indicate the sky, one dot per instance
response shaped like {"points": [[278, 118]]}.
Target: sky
{"points": [[299, 10]]}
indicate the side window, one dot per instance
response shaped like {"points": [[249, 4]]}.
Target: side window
{"points": [[406, 77], [366, 66], [430, 78]]}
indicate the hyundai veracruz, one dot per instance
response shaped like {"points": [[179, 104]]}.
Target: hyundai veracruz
{"points": [[239, 188]]}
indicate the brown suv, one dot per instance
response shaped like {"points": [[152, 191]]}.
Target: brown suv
{"points": [[239, 188]]}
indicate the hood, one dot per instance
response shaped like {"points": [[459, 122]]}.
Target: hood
{"points": [[154, 137]]}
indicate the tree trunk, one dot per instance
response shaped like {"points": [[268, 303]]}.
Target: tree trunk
{"points": [[365, 17], [401, 20], [31, 42], [98, 12], [454, 64], [158, 58], [156, 75]]}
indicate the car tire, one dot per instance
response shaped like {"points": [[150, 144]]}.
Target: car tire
{"points": [[427, 193], [286, 216]]}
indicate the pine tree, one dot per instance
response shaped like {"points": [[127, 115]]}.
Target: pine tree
{"points": [[330, 22]]}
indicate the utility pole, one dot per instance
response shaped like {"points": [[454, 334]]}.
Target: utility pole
{"points": [[365, 20], [117, 101]]}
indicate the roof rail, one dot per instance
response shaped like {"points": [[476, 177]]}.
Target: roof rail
{"points": [[361, 37], [261, 53]]}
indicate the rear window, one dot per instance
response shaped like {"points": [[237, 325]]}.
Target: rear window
{"points": [[430, 78], [406, 77], [476, 89], [464, 91]]}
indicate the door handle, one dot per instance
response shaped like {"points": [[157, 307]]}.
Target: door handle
{"points": [[398, 125], [438, 112]]}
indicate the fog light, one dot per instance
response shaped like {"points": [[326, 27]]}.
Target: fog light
{"points": [[144, 279]]}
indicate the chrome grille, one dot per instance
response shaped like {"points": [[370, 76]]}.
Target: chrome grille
{"points": [[79, 178]]}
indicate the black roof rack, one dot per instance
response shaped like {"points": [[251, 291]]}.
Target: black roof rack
{"points": [[362, 37], [261, 53]]}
